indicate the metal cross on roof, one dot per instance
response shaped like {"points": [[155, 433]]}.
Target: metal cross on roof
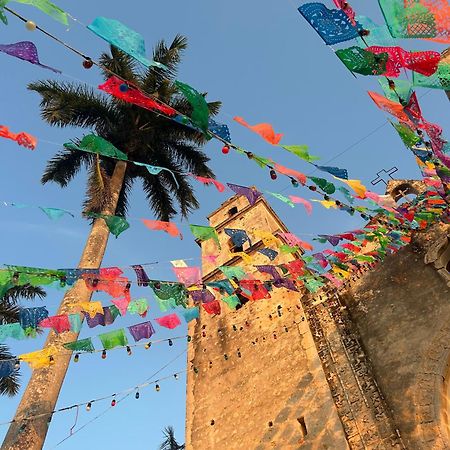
{"points": [[383, 173]]}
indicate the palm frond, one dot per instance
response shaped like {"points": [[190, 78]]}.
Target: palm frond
{"points": [[9, 385], [158, 196], [120, 63], [26, 292], [170, 443], [192, 158], [155, 78], [67, 104], [65, 165], [9, 313]]}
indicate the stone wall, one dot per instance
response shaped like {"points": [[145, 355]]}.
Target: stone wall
{"points": [[402, 312]]}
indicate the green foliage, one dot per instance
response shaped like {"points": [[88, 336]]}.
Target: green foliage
{"points": [[170, 443], [9, 313], [144, 136]]}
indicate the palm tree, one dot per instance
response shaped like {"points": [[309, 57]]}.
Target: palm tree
{"points": [[9, 313], [145, 137], [170, 443]]}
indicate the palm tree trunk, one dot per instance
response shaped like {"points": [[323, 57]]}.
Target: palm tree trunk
{"points": [[43, 389]]}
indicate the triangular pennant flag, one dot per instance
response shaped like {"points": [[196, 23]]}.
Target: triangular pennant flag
{"points": [[251, 193], [326, 203], [55, 213], [219, 186], [340, 173], [115, 224], [169, 227], [122, 37], [265, 130], [301, 151], [305, 203], [170, 321], [200, 110], [96, 144], [48, 8], [83, 345], [26, 51], [284, 199], [204, 233]]}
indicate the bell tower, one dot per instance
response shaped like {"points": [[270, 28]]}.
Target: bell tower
{"points": [[255, 380]]}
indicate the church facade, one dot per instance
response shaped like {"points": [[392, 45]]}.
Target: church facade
{"points": [[366, 366]]}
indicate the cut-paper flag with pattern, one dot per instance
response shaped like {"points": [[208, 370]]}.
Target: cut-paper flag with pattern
{"points": [[359, 60], [26, 51], [200, 110], [188, 275], [300, 177], [212, 308], [140, 331], [124, 38], [265, 130], [308, 206], [170, 321], [238, 237], [128, 93], [169, 227], [22, 138], [428, 19], [424, 62], [116, 225], [251, 193], [281, 197], [190, 313], [92, 143], [204, 233], [332, 25], [301, 151], [219, 186], [82, 345], [116, 338], [55, 213], [439, 80], [292, 239]]}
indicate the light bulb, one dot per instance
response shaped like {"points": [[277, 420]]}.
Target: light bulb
{"points": [[157, 388], [88, 406], [147, 345], [129, 350], [104, 354], [76, 357], [30, 25]]}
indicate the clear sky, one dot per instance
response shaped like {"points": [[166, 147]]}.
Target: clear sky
{"points": [[264, 62]]}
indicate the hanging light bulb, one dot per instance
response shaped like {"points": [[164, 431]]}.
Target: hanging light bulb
{"points": [[312, 188], [189, 339], [273, 174], [123, 87], [129, 350], [113, 402], [104, 354], [87, 64], [137, 395], [30, 25], [195, 369], [88, 406], [147, 345], [51, 359], [170, 342], [294, 182], [17, 364], [175, 375], [76, 357], [225, 149], [157, 388], [249, 155], [225, 356]]}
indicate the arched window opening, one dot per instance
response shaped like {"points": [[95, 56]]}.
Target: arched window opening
{"points": [[405, 193]]}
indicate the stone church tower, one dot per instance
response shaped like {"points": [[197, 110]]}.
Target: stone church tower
{"points": [[364, 367]]}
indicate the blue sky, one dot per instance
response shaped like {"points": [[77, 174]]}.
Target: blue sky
{"points": [[263, 61]]}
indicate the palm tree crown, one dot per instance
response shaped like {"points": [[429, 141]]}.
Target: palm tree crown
{"points": [[145, 136], [170, 443], [9, 313]]}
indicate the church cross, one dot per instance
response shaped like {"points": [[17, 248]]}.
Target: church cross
{"points": [[382, 174]]}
